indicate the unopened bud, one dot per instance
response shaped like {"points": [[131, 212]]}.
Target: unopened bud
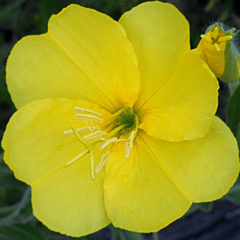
{"points": [[217, 49]]}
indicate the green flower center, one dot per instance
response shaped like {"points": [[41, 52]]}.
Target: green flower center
{"points": [[128, 118]]}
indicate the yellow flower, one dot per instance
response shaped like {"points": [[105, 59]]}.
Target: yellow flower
{"points": [[116, 121], [217, 49]]}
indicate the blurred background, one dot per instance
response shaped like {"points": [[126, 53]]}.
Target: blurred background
{"points": [[18, 18]]}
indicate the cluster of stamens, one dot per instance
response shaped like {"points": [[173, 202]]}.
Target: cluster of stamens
{"points": [[122, 123], [217, 38]]}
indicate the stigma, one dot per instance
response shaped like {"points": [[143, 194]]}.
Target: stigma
{"points": [[99, 135]]}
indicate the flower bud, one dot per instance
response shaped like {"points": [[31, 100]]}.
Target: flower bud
{"points": [[217, 49]]}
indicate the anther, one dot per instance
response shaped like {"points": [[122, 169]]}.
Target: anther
{"points": [[224, 39], [94, 135], [92, 163], [68, 132], [206, 38], [87, 117], [111, 140], [92, 127], [83, 129], [217, 47], [129, 144], [88, 111], [103, 161]]}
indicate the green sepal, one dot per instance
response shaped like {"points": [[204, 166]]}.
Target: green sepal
{"points": [[233, 111], [234, 193], [231, 73], [211, 27]]}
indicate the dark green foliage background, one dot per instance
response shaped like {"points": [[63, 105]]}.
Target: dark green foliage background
{"points": [[19, 18]]}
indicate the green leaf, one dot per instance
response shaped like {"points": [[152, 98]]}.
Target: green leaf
{"points": [[192, 209], [50, 235], [133, 235], [119, 234], [205, 206], [10, 8], [238, 139], [7, 180], [233, 111], [234, 193], [16, 216], [20, 232]]}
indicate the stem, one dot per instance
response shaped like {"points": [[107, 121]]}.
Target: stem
{"points": [[21, 205], [155, 236], [8, 209], [233, 86]]}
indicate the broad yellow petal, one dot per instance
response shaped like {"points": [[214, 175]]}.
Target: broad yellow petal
{"points": [[205, 168], [85, 55], [183, 108], [69, 201], [139, 194], [34, 141], [160, 37], [178, 95]]}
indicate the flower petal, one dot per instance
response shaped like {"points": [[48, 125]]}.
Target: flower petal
{"points": [[36, 149], [205, 168], [85, 55], [184, 107], [34, 141], [160, 37], [139, 194], [177, 89], [69, 201]]}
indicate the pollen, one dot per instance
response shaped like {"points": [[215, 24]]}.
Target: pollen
{"points": [[100, 134]]}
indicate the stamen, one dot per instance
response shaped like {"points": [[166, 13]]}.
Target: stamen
{"points": [[94, 135], [217, 47], [225, 38], [206, 38], [117, 113], [111, 119], [80, 155], [88, 111], [116, 130], [92, 127], [111, 140], [68, 132], [215, 33], [129, 144], [87, 117], [83, 129], [137, 124], [131, 138], [104, 159], [92, 163], [80, 139]]}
